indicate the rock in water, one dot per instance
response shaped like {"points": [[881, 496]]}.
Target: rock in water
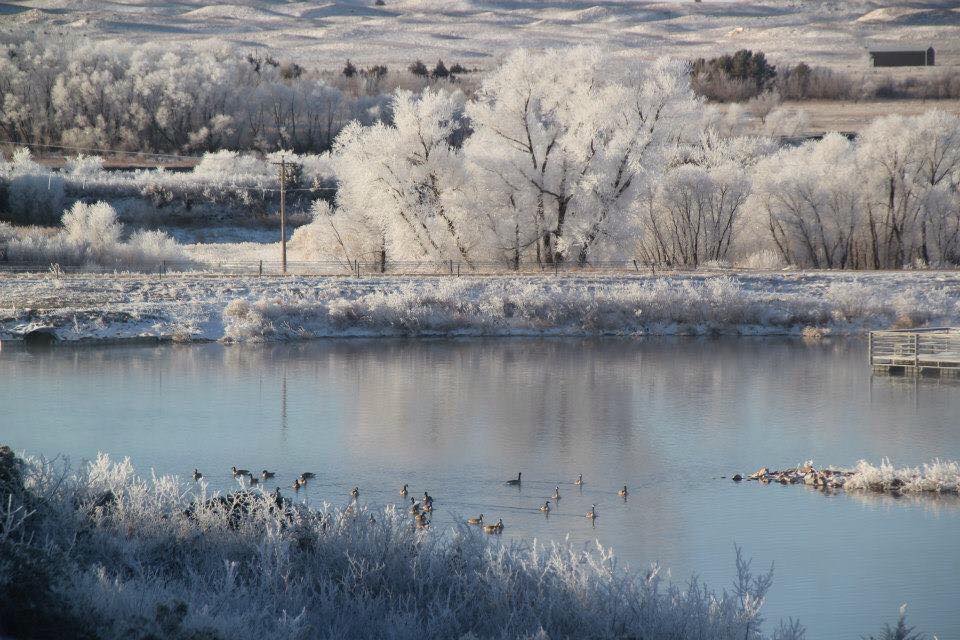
{"points": [[737, 477], [760, 474]]}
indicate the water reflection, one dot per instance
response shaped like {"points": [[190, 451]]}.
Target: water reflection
{"points": [[667, 418]]}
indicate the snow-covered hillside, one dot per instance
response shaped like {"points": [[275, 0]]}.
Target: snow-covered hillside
{"points": [[476, 32]]}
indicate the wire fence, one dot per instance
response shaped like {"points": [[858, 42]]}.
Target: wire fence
{"points": [[361, 268], [353, 268]]}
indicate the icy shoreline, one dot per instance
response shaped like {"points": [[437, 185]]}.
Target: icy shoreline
{"points": [[197, 307]]}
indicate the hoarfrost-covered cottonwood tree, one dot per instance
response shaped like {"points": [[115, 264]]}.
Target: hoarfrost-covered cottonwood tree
{"points": [[407, 179], [560, 141]]}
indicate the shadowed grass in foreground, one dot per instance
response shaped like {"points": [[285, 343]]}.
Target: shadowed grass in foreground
{"points": [[103, 553]]}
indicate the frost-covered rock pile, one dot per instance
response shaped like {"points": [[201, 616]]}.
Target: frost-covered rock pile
{"points": [[939, 476]]}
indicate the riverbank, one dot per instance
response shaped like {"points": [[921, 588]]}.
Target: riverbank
{"points": [[101, 552], [200, 307]]}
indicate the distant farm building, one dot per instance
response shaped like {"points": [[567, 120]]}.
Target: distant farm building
{"points": [[902, 57]]}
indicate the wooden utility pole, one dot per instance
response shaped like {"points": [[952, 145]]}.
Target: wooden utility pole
{"points": [[283, 214]]}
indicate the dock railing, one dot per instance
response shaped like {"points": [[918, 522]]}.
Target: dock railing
{"points": [[915, 350]]}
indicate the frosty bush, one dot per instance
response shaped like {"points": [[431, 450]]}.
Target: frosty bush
{"points": [[939, 476], [90, 235], [150, 557], [694, 305], [34, 194]]}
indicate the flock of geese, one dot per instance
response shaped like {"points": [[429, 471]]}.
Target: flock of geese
{"points": [[419, 510]]}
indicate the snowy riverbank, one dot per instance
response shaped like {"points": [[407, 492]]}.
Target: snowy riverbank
{"points": [[93, 307]]}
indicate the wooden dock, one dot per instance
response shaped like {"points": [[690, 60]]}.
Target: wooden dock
{"points": [[916, 351]]}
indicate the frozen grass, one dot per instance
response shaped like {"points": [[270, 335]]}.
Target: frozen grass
{"points": [[939, 476], [657, 306], [262, 309], [124, 559]]}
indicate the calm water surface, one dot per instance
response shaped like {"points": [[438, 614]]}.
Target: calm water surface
{"points": [[666, 417]]}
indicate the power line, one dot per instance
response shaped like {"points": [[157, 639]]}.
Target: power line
{"points": [[165, 155], [101, 150]]}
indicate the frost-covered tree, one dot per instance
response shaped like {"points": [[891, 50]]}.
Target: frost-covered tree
{"points": [[558, 134], [407, 178], [902, 159], [691, 214], [806, 200]]}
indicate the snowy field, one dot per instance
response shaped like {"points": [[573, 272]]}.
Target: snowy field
{"points": [[476, 32], [199, 307]]}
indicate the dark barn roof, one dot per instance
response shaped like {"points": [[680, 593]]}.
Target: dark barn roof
{"points": [[902, 57]]}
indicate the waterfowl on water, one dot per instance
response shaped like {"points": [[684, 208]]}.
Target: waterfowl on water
{"points": [[239, 472], [427, 502], [404, 492], [623, 493], [579, 480], [297, 484], [593, 512], [545, 507], [494, 528], [414, 507], [196, 475], [516, 481], [253, 481], [556, 493], [355, 493], [477, 520], [266, 475], [421, 520], [306, 475]]}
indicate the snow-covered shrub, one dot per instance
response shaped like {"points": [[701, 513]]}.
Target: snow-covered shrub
{"points": [[941, 476], [83, 166], [34, 194], [763, 260], [93, 226], [90, 235]]}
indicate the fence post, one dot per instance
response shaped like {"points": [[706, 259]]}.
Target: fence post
{"points": [[556, 267], [916, 353], [636, 266], [458, 269], [260, 269], [160, 269]]}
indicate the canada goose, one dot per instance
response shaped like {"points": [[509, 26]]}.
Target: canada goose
{"points": [[579, 480], [545, 507], [421, 520], [266, 475], [253, 481], [355, 493], [593, 512], [404, 492], [277, 498], [494, 528], [297, 484], [514, 482], [556, 493], [306, 475], [196, 475], [623, 493], [477, 520], [414, 507], [427, 502], [239, 472]]}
